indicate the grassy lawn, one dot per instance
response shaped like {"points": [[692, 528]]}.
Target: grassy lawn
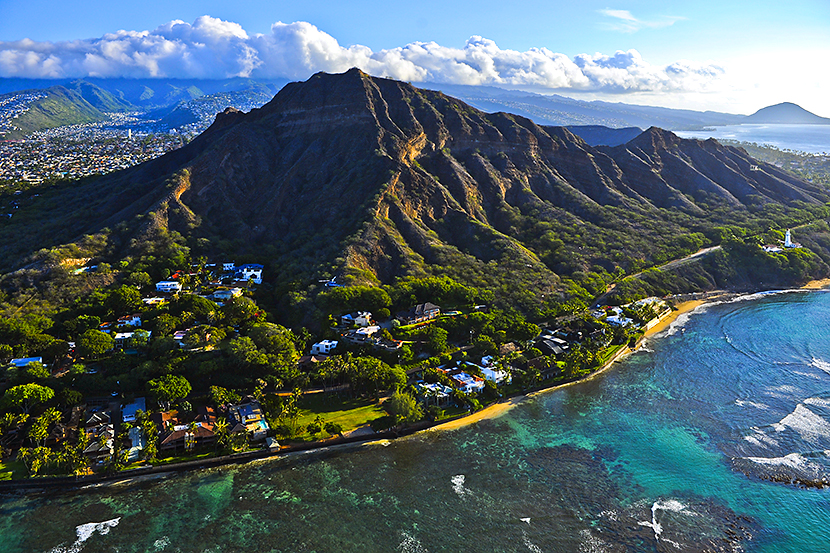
{"points": [[453, 411], [609, 352], [183, 458], [348, 413], [12, 470]]}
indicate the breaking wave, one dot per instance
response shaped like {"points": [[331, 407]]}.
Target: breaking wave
{"points": [[86, 531]]}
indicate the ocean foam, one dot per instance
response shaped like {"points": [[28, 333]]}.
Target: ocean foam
{"points": [[807, 424], [458, 485], [670, 505], [754, 441], [817, 402], [410, 545], [793, 461], [746, 402], [591, 544], [820, 364], [530, 545], [86, 531]]}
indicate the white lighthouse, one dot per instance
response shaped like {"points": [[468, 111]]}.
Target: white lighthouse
{"points": [[788, 241]]}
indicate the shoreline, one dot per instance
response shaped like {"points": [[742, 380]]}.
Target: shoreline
{"points": [[499, 408], [663, 323], [492, 411]]}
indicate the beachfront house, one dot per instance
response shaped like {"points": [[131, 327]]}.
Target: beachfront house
{"points": [[248, 417]]}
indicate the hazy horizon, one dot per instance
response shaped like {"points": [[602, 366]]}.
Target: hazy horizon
{"points": [[736, 59]]}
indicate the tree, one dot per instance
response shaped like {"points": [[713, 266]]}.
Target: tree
{"points": [[140, 279], [222, 431], [94, 343], [140, 338], [222, 396], [437, 339], [124, 299], [244, 351], [169, 388], [333, 428], [404, 407], [33, 372], [315, 426], [238, 310], [165, 324], [26, 396], [39, 430], [35, 459]]}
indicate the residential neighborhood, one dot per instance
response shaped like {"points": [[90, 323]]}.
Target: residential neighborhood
{"points": [[429, 362]]}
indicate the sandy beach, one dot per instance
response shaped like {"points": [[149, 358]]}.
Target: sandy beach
{"points": [[501, 407], [817, 284]]}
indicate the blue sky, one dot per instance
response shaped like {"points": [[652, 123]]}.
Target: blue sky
{"points": [[727, 55]]}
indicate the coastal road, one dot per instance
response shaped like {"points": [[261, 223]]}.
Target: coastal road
{"points": [[667, 266]]}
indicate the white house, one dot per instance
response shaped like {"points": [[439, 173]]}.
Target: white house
{"points": [[323, 347], [130, 320], [169, 286], [362, 335], [495, 376], [228, 266], [122, 339], [359, 318], [468, 383], [251, 271], [225, 295]]}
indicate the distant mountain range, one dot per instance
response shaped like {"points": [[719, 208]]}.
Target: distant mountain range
{"points": [[180, 102], [177, 102]]}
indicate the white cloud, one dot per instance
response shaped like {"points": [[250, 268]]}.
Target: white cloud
{"points": [[624, 21], [213, 48]]}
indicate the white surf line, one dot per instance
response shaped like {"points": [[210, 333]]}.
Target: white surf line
{"points": [[86, 531]]}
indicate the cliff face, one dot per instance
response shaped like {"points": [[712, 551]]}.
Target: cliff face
{"points": [[390, 178]]}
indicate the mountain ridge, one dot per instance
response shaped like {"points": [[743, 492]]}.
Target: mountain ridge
{"points": [[351, 174]]}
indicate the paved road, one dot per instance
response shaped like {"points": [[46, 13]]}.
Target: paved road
{"points": [[668, 266]]}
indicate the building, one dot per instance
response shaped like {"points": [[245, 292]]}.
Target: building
{"points": [[496, 376], [358, 318], [169, 286], [128, 411], [420, 313], [361, 335], [249, 272], [225, 295], [788, 241], [467, 383], [248, 417], [325, 347], [130, 320], [434, 393], [124, 339]]}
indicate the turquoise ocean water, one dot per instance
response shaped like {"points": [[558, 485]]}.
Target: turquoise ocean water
{"points": [[681, 447]]}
